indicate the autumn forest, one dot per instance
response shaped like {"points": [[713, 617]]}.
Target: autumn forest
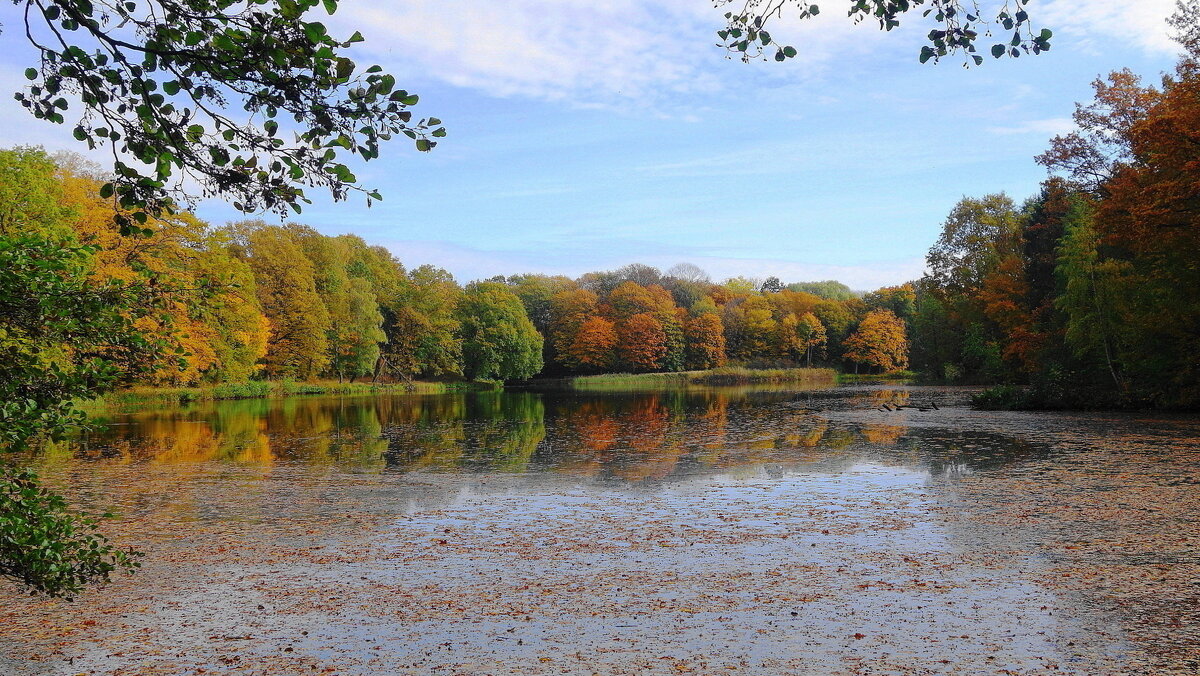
{"points": [[1081, 294]]}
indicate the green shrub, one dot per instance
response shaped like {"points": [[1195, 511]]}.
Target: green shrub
{"points": [[48, 548]]}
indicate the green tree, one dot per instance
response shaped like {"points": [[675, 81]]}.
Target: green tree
{"points": [[424, 337], [838, 321], [386, 282], [46, 546], [900, 300], [31, 198], [287, 291], [973, 242], [935, 344], [62, 338], [498, 340], [355, 322], [829, 289], [240, 329], [1091, 293], [211, 91], [355, 344], [537, 293]]}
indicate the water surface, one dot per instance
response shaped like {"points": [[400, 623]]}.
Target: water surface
{"points": [[713, 530]]}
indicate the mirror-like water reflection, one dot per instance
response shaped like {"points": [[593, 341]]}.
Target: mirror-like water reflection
{"points": [[630, 437], [737, 530]]}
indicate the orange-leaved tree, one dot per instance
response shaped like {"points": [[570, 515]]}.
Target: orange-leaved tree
{"points": [[642, 343], [705, 339], [568, 311], [594, 347]]}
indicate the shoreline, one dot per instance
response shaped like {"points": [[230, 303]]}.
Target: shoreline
{"points": [[272, 389], [725, 376]]}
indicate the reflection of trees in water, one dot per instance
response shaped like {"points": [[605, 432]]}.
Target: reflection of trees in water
{"points": [[654, 442], [485, 431], [253, 432], [229, 431], [645, 436], [944, 452], [507, 430], [882, 434], [651, 436]]}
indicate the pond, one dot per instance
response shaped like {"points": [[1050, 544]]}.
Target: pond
{"points": [[706, 531]]}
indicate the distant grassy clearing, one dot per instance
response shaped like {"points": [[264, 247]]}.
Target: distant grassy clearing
{"points": [[722, 376]]}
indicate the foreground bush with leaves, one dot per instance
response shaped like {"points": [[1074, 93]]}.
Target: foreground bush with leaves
{"points": [[62, 337], [46, 546]]}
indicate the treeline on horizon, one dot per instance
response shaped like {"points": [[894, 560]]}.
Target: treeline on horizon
{"points": [[253, 299]]}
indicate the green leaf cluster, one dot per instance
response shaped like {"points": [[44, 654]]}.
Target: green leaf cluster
{"points": [[47, 547], [959, 25], [253, 101]]}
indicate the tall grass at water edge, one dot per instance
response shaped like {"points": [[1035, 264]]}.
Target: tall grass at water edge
{"points": [[730, 375]]}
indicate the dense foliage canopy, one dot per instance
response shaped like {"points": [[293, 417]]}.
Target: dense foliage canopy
{"points": [[1085, 292]]}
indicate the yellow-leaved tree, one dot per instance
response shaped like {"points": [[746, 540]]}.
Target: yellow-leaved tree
{"points": [[880, 342]]}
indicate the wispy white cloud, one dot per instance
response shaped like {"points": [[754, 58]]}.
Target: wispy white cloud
{"points": [[1135, 22], [1048, 127], [611, 54], [656, 54]]}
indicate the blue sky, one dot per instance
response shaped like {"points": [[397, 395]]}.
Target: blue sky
{"points": [[585, 135]]}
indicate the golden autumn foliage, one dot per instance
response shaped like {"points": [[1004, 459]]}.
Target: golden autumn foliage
{"points": [[879, 342], [569, 310], [253, 299], [210, 321], [287, 292], [813, 337], [629, 299]]}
